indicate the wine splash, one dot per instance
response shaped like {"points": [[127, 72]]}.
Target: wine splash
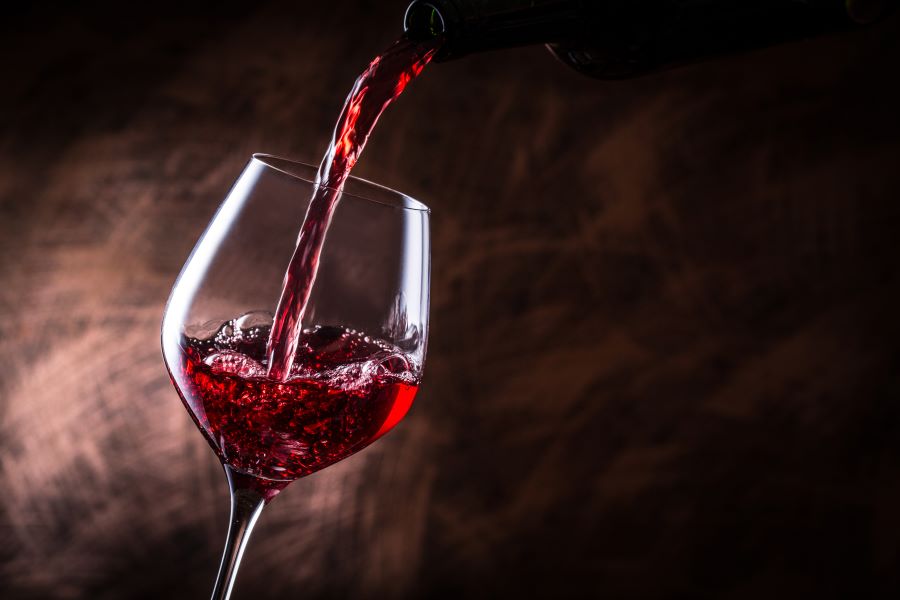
{"points": [[345, 390], [382, 82]]}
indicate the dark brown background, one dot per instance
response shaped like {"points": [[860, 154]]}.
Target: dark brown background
{"points": [[664, 355]]}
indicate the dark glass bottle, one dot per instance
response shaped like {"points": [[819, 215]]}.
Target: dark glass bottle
{"points": [[614, 39]]}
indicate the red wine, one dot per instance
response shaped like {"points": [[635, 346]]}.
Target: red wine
{"points": [[344, 391], [384, 80]]}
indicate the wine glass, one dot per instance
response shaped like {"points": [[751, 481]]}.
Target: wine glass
{"points": [[359, 360]]}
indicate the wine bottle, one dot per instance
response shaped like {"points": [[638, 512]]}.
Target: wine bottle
{"points": [[613, 39]]}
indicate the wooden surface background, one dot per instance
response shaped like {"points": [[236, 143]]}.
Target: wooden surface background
{"points": [[664, 356]]}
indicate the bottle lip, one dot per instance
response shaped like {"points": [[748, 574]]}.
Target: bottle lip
{"points": [[423, 21]]}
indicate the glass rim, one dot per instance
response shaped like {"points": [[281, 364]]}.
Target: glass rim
{"points": [[389, 197]]}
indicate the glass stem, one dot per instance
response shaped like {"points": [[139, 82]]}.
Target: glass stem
{"points": [[246, 506]]}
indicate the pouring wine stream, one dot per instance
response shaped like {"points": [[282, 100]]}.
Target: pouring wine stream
{"points": [[379, 85]]}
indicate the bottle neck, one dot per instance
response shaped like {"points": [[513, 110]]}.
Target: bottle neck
{"points": [[469, 26], [622, 38]]}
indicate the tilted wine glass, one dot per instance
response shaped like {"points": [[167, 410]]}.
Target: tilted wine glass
{"points": [[359, 362]]}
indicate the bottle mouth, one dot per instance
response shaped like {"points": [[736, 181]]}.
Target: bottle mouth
{"points": [[423, 21]]}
